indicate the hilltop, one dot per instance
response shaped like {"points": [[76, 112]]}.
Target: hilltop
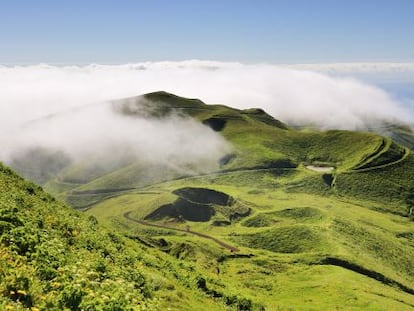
{"points": [[259, 142]]}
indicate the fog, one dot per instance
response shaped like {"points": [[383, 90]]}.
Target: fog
{"points": [[97, 131], [299, 94], [66, 107]]}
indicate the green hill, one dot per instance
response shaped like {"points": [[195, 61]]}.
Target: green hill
{"points": [[259, 142], [293, 219], [55, 258]]}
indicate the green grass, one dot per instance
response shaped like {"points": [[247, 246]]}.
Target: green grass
{"points": [[288, 236], [311, 241], [391, 185], [258, 140], [44, 245], [299, 214], [55, 258], [290, 239]]}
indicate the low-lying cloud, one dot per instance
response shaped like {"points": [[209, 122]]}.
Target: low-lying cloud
{"points": [[98, 132], [293, 94], [82, 124]]}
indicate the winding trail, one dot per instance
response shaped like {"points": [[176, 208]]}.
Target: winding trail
{"points": [[404, 156], [110, 193], [127, 215], [183, 177]]}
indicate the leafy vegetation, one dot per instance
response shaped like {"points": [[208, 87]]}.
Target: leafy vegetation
{"points": [[55, 258]]}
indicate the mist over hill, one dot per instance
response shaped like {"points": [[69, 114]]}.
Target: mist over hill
{"points": [[206, 155], [110, 137], [296, 94], [67, 108]]}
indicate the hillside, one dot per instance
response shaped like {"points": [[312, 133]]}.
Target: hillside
{"points": [[55, 258], [289, 245], [290, 219], [259, 142]]}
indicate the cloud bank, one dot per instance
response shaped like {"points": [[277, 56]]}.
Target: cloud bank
{"points": [[355, 68], [98, 132], [82, 124], [298, 95]]}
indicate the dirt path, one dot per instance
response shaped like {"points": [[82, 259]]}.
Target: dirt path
{"points": [[215, 173], [202, 235], [407, 152]]}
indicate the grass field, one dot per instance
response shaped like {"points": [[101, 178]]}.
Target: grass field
{"points": [[293, 233], [258, 141]]}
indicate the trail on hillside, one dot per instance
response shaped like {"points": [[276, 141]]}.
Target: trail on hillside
{"points": [[365, 164], [215, 173], [127, 215], [110, 193]]}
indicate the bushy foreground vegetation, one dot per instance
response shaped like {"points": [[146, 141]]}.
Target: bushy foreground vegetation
{"points": [[54, 258]]}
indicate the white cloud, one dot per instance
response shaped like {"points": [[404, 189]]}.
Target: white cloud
{"points": [[295, 94], [354, 68]]}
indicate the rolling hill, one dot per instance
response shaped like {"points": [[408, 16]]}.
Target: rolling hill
{"points": [[290, 219], [259, 142], [56, 258]]}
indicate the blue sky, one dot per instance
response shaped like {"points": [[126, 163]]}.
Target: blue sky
{"points": [[293, 31]]}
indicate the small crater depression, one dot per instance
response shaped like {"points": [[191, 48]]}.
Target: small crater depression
{"points": [[182, 209], [200, 205], [204, 196], [215, 123]]}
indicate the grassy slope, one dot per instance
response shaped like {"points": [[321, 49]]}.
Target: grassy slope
{"points": [[304, 236], [258, 140], [312, 242], [292, 237], [55, 258], [402, 134]]}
